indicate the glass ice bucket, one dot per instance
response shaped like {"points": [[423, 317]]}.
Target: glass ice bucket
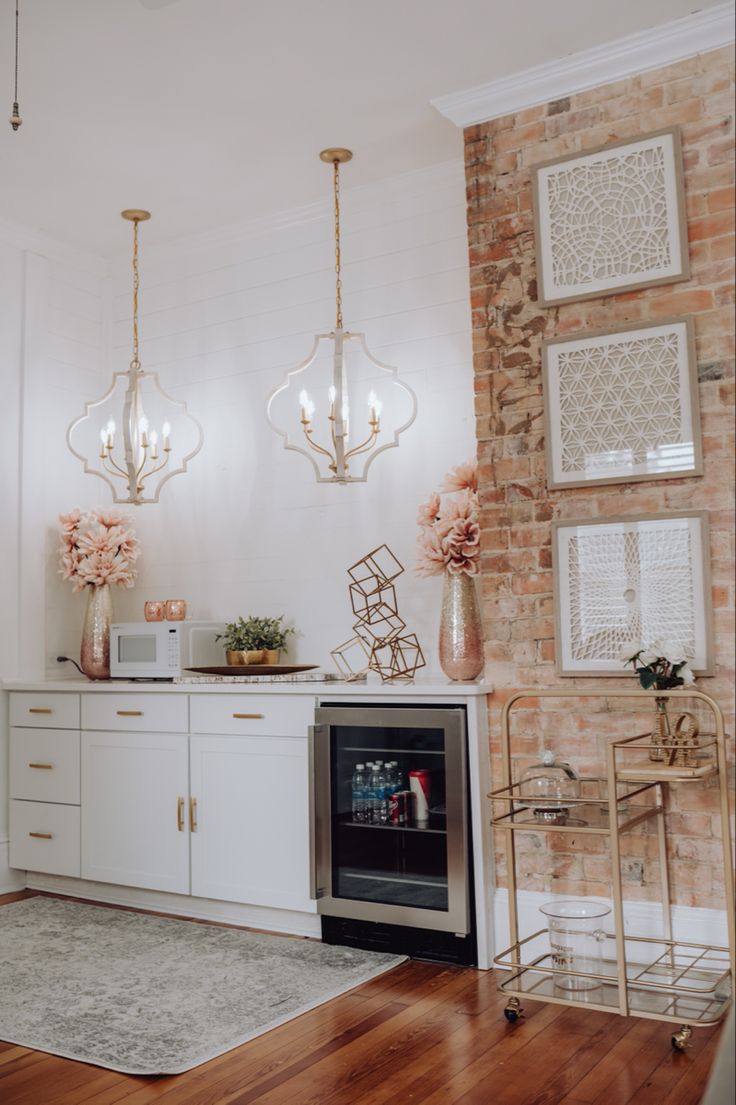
{"points": [[576, 939]]}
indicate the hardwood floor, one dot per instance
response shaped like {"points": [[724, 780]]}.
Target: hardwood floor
{"points": [[422, 1034]]}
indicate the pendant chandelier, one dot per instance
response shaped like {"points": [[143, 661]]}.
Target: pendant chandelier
{"points": [[331, 406], [136, 437], [15, 119]]}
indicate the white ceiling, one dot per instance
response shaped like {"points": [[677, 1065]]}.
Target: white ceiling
{"points": [[209, 112]]}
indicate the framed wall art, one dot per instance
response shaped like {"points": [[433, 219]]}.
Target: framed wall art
{"points": [[622, 405], [642, 579], [611, 219]]}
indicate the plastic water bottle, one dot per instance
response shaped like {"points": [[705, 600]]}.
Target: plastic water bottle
{"points": [[359, 793], [380, 796], [391, 777]]}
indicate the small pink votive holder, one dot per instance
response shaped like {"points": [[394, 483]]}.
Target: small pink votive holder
{"points": [[153, 611], [176, 610]]}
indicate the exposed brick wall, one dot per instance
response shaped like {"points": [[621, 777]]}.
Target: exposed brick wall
{"points": [[516, 506]]}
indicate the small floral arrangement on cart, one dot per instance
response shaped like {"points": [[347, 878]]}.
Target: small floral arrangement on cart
{"points": [[663, 666]]}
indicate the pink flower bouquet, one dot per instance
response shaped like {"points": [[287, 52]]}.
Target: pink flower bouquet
{"points": [[96, 548], [449, 534]]}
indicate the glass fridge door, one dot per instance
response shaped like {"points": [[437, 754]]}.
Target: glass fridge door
{"points": [[392, 848]]}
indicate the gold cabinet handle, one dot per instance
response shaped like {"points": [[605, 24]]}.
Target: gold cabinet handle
{"points": [[180, 814], [42, 836], [249, 715], [40, 710], [130, 713], [44, 767], [193, 824]]}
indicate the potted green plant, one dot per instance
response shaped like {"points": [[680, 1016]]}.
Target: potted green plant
{"points": [[270, 635], [238, 639], [255, 640]]}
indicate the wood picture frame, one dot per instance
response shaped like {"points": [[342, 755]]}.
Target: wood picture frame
{"points": [[635, 579], [622, 405], [611, 219]]}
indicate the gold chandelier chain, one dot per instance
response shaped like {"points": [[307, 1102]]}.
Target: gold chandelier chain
{"points": [[135, 363], [338, 281]]}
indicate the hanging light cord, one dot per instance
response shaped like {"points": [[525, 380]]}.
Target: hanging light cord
{"points": [[135, 363], [338, 281], [15, 119]]}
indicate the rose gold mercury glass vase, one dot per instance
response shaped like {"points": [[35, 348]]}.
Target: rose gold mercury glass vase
{"points": [[95, 656], [461, 633]]}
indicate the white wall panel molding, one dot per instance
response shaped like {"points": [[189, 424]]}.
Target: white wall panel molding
{"points": [[640, 919], [26, 238], [360, 202], [613, 61]]}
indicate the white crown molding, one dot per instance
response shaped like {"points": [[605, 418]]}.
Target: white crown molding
{"points": [[614, 61]]}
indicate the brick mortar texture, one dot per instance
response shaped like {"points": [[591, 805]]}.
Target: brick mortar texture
{"points": [[517, 508]]}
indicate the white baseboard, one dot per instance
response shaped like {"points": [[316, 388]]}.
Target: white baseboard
{"points": [[10, 878], [203, 909], [702, 926]]}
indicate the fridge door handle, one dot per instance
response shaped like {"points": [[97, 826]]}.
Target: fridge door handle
{"points": [[313, 894]]}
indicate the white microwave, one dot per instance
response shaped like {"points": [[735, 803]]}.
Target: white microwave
{"points": [[162, 650]]}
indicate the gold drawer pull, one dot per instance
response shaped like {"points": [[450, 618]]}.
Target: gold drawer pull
{"points": [[40, 710], [130, 713], [249, 715], [180, 814], [193, 824], [44, 767], [42, 836]]}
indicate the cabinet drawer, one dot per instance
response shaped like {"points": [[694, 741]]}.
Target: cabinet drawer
{"points": [[44, 765], [264, 714], [45, 710], [135, 713], [45, 837]]}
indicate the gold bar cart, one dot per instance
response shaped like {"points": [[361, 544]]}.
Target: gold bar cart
{"points": [[661, 978]]}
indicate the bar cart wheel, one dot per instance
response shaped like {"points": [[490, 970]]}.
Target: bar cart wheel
{"points": [[513, 1011], [681, 1039]]}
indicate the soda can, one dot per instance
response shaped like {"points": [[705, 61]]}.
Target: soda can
{"points": [[396, 808], [419, 787]]}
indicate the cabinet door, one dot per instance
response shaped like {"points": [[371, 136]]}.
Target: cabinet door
{"points": [[135, 828], [251, 837]]}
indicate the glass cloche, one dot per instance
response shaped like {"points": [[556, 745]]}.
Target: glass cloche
{"points": [[546, 786]]}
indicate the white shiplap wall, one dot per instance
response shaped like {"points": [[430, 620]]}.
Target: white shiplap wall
{"points": [[248, 530]]}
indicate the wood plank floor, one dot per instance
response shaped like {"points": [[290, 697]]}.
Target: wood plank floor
{"points": [[420, 1035]]}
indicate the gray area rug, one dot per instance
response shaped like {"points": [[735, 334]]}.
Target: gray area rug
{"points": [[150, 995]]}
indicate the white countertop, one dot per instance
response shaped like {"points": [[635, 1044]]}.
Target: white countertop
{"points": [[434, 688]]}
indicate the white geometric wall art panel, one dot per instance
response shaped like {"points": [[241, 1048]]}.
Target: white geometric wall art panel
{"points": [[611, 219], [642, 579], [622, 406]]}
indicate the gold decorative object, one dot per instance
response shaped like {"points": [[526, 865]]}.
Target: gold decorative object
{"points": [[461, 632], [15, 117], [95, 653], [129, 466], [684, 740], [344, 378], [380, 644]]}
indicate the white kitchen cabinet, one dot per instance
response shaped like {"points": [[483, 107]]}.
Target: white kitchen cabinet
{"points": [[251, 799], [135, 809]]}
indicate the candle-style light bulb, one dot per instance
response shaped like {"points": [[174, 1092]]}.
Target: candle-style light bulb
{"points": [[375, 407], [307, 405], [166, 431], [153, 437]]}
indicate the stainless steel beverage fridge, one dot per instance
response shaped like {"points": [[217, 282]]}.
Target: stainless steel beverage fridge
{"points": [[390, 839]]}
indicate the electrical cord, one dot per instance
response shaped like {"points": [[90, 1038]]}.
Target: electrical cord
{"points": [[68, 660]]}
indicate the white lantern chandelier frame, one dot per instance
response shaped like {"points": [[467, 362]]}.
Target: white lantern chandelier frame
{"points": [[336, 451], [141, 458]]}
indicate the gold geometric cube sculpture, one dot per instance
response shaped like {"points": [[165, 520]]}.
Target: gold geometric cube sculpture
{"points": [[380, 644]]}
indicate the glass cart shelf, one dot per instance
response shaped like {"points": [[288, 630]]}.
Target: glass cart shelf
{"points": [[682, 982], [656, 977]]}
